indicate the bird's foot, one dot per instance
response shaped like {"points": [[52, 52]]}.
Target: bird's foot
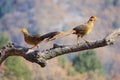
{"points": [[78, 43], [34, 47], [88, 41], [31, 48], [37, 46]]}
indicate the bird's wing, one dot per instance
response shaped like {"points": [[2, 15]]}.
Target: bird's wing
{"points": [[81, 28], [36, 35]]}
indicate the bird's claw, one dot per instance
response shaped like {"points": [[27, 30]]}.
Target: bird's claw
{"points": [[88, 41]]}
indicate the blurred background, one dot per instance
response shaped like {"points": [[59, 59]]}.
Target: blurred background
{"points": [[43, 16]]}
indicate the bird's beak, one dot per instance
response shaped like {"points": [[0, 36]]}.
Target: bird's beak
{"points": [[96, 18]]}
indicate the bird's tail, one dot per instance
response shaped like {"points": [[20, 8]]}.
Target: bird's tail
{"points": [[48, 36], [60, 35]]}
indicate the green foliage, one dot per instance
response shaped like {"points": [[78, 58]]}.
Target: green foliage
{"points": [[86, 61], [66, 64], [3, 39], [17, 66], [63, 60]]}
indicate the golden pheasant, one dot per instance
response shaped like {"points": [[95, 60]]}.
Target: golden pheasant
{"points": [[80, 30], [35, 39]]}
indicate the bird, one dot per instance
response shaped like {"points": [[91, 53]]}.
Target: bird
{"points": [[35, 39], [80, 30]]}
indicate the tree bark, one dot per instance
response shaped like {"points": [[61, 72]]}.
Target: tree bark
{"points": [[40, 57]]}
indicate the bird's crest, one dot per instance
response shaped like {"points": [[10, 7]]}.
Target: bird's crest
{"points": [[24, 30], [93, 18]]}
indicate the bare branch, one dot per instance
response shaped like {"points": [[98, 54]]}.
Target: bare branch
{"points": [[41, 57]]}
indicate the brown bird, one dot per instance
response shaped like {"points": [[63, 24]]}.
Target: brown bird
{"points": [[35, 39], [80, 30]]}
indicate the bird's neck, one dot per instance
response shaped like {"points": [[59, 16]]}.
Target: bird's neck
{"points": [[25, 33], [90, 23]]}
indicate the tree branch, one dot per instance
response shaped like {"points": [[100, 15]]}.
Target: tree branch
{"points": [[40, 57]]}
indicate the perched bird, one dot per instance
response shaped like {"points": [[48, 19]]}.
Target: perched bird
{"points": [[80, 30], [35, 39]]}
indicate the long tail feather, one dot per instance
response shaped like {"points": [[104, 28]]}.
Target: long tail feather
{"points": [[61, 34], [49, 35]]}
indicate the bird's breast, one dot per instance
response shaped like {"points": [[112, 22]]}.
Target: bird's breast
{"points": [[90, 27], [89, 30], [31, 40]]}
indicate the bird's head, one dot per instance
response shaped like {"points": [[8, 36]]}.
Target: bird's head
{"points": [[93, 18], [24, 30]]}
